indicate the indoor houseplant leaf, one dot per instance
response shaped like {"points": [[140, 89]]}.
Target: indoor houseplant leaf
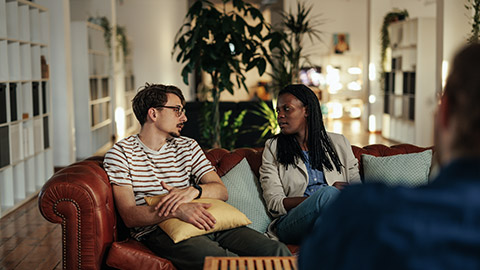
{"points": [[219, 42]]}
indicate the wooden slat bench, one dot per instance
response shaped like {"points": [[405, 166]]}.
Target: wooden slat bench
{"points": [[250, 263]]}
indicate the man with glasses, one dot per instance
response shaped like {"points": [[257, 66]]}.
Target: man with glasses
{"points": [[158, 161], [436, 226]]}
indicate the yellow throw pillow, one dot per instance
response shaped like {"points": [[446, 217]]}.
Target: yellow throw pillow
{"points": [[227, 216]]}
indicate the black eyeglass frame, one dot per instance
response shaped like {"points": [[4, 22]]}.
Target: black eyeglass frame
{"points": [[179, 110]]}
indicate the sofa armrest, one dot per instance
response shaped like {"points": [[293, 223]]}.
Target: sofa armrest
{"points": [[80, 198]]}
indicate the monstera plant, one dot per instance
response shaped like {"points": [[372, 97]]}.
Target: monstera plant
{"points": [[219, 42]]}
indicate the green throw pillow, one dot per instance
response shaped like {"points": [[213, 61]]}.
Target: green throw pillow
{"points": [[245, 194], [409, 170]]}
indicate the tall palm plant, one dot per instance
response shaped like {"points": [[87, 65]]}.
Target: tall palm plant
{"points": [[288, 55], [287, 59]]}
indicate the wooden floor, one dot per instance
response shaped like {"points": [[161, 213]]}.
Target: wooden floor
{"points": [[28, 241]]}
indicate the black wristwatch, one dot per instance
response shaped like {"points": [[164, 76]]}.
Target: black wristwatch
{"points": [[199, 188]]}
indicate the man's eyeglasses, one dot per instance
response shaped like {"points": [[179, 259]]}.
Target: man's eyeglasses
{"points": [[179, 110]]}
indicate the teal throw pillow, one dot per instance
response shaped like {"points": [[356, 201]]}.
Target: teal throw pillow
{"points": [[410, 170], [245, 194]]}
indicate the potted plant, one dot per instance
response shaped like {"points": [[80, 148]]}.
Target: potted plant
{"points": [[393, 16], [222, 44]]}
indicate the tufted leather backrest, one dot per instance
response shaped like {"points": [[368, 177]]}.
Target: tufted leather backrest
{"points": [[225, 160]]}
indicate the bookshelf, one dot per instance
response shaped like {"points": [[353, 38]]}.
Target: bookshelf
{"points": [[409, 97], [131, 124], [92, 83], [26, 155]]}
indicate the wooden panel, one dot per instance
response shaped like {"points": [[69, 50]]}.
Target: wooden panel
{"points": [[259, 263]]}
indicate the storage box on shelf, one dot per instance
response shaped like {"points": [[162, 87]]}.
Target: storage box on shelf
{"points": [[409, 83], [26, 157], [92, 88]]}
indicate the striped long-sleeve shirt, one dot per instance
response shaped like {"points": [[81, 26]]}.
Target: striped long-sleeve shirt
{"points": [[132, 163]]}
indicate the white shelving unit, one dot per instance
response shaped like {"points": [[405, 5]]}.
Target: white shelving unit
{"points": [[409, 100], [92, 83], [131, 123], [26, 155]]}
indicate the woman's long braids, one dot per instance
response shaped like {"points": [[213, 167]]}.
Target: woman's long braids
{"points": [[320, 147]]}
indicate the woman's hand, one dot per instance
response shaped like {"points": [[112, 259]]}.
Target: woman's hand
{"points": [[292, 202]]}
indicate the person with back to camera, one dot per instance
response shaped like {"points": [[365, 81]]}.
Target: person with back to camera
{"points": [[303, 167], [436, 226], [158, 161]]}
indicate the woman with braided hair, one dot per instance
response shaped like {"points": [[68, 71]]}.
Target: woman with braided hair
{"points": [[303, 167]]}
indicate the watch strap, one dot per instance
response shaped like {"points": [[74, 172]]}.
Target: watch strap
{"points": [[199, 188]]}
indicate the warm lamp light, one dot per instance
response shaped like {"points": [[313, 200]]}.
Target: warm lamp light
{"points": [[335, 109], [354, 86], [372, 72], [444, 72], [371, 123], [120, 122], [355, 70]]}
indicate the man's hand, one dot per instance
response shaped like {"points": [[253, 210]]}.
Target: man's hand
{"points": [[196, 214], [340, 185], [175, 197]]}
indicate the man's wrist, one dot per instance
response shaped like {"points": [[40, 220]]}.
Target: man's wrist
{"points": [[199, 188]]}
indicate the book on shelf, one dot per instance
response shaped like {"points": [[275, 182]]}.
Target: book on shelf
{"points": [[389, 82], [411, 111], [13, 102], [4, 147], [44, 97], [35, 98], [386, 103], [3, 103], [412, 83], [46, 135]]}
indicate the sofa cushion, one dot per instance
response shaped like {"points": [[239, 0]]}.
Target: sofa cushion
{"points": [[131, 254], [244, 193], [409, 170], [227, 217]]}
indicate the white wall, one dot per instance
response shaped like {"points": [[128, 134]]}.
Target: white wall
{"points": [[152, 25], [61, 82], [456, 28], [337, 16], [81, 10]]}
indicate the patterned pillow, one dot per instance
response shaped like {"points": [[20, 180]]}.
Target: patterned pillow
{"points": [[245, 194], [409, 170]]}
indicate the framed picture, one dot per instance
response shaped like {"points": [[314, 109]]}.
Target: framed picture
{"points": [[341, 43]]}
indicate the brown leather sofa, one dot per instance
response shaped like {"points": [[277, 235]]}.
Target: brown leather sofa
{"points": [[94, 237]]}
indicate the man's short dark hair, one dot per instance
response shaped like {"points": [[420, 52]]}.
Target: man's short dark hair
{"points": [[463, 92], [153, 96]]}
